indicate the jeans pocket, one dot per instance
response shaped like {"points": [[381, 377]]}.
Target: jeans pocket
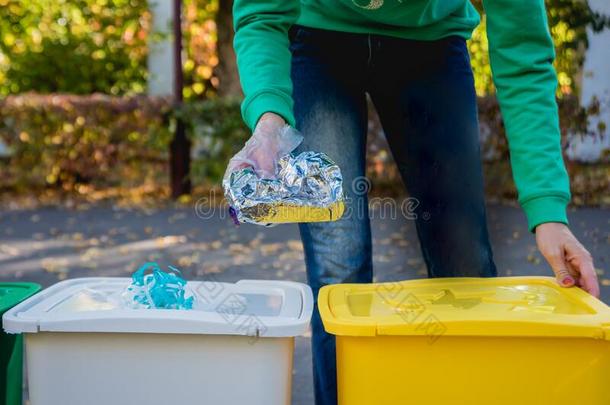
{"points": [[293, 32], [299, 33], [301, 42]]}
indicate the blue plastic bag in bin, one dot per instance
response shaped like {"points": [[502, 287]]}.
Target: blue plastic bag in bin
{"points": [[153, 288]]}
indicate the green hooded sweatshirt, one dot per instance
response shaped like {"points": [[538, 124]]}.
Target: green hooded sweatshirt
{"points": [[521, 52]]}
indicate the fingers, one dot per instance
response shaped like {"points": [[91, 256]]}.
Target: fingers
{"points": [[579, 259], [257, 154], [570, 261], [237, 162], [271, 140], [556, 259], [264, 162], [589, 281], [565, 278]]}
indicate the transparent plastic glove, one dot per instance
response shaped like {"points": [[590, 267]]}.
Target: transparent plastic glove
{"points": [[271, 140]]}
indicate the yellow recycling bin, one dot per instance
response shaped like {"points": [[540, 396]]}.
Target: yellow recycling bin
{"points": [[471, 341]]}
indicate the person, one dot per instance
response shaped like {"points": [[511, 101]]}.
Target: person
{"points": [[311, 63]]}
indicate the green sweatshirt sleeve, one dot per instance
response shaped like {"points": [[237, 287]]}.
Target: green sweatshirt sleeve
{"points": [[522, 53], [263, 56]]}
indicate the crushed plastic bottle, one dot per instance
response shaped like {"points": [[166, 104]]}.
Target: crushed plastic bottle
{"points": [[153, 288]]}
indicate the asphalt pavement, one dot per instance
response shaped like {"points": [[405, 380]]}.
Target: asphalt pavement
{"points": [[51, 244]]}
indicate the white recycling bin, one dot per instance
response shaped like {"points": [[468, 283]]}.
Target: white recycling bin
{"points": [[235, 347]]}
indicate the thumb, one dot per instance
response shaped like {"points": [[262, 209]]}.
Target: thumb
{"points": [[558, 263]]}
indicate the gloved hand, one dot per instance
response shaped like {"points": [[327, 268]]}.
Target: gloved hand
{"points": [[272, 139]]}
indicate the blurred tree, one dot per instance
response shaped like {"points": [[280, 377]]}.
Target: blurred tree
{"points": [[210, 66], [76, 46], [226, 71], [568, 22], [84, 46], [200, 59]]}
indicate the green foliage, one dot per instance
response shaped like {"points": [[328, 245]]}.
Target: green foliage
{"points": [[217, 130], [87, 46], [568, 22], [199, 32], [76, 46], [68, 141]]}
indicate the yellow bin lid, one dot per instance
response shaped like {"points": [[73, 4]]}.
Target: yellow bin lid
{"points": [[507, 306]]}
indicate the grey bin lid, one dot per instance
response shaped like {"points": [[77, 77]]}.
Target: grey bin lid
{"points": [[248, 307]]}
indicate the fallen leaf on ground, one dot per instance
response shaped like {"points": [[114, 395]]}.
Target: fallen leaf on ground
{"points": [[9, 250], [268, 249]]}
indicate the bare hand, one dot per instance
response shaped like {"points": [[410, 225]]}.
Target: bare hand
{"points": [[571, 262]]}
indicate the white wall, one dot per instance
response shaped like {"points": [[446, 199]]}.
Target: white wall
{"points": [[160, 58], [596, 83]]}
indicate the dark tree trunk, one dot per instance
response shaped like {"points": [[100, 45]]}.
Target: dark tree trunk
{"points": [[226, 71], [180, 147]]}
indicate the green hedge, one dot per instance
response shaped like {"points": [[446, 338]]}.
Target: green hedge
{"points": [[63, 141]]}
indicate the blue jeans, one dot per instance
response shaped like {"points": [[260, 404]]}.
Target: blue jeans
{"points": [[424, 94]]}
